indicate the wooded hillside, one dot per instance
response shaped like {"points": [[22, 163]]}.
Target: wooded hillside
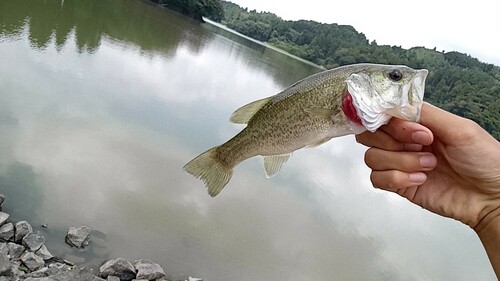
{"points": [[457, 82]]}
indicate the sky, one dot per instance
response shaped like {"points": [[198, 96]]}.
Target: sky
{"points": [[471, 27]]}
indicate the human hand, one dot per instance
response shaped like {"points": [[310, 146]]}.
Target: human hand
{"points": [[446, 164]]}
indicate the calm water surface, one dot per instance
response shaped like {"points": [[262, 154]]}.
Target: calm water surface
{"points": [[103, 102]]}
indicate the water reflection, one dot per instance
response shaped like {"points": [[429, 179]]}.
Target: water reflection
{"points": [[91, 21], [103, 102]]}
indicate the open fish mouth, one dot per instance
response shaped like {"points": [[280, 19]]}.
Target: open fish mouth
{"points": [[411, 99], [375, 107]]}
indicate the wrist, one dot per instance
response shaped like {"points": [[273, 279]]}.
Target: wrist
{"points": [[489, 222], [489, 234]]}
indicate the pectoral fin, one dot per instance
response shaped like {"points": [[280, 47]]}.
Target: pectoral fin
{"points": [[273, 163], [320, 142], [243, 114], [324, 113]]}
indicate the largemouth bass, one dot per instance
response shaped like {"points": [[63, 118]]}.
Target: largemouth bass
{"points": [[337, 102]]}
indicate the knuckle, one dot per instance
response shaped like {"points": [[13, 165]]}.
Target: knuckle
{"points": [[394, 181], [370, 157], [468, 131]]}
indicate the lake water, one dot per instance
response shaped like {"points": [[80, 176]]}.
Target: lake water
{"points": [[101, 104]]}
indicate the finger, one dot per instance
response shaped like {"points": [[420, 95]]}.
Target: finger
{"points": [[394, 180], [382, 160], [382, 140], [449, 127], [408, 132]]}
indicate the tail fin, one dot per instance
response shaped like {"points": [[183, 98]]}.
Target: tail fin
{"points": [[207, 168]]}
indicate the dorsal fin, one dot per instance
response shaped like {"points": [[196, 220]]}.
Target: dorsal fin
{"points": [[243, 114]]}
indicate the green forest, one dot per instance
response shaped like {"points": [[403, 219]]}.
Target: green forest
{"points": [[196, 9], [457, 82]]}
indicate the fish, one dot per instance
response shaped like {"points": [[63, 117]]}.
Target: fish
{"points": [[337, 102]]}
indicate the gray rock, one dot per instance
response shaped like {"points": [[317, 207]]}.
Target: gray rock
{"points": [[59, 266], [149, 270], [44, 253], [16, 268], [15, 250], [32, 261], [7, 231], [73, 274], [42, 272], [78, 236], [113, 278], [22, 229], [5, 265], [3, 278], [2, 199], [118, 267], [4, 249], [3, 217], [33, 241]]}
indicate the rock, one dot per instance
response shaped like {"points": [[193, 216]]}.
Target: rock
{"points": [[15, 250], [79, 273], [5, 265], [118, 267], [149, 270], [113, 278], [78, 236], [59, 266], [33, 241], [32, 261], [4, 249], [44, 253], [3, 217], [194, 279], [7, 231], [2, 198], [3, 278], [22, 229], [42, 272], [16, 268]]}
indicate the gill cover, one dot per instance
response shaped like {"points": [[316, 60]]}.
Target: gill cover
{"points": [[377, 97]]}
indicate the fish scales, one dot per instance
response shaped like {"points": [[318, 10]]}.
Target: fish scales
{"points": [[311, 112], [281, 125]]}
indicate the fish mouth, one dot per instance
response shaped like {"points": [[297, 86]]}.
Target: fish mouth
{"points": [[405, 101], [412, 98]]}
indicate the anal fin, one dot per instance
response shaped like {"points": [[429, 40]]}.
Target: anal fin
{"points": [[273, 163]]}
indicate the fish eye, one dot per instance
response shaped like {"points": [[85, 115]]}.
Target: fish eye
{"points": [[395, 75]]}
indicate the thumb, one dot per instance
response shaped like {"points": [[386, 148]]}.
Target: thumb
{"points": [[443, 124]]}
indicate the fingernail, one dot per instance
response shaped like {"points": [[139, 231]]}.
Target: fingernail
{"points": [[418, 178], [421, 137], [428, 161]]}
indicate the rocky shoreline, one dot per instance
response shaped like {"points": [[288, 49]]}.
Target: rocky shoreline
{"points": [[24, 256]]}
